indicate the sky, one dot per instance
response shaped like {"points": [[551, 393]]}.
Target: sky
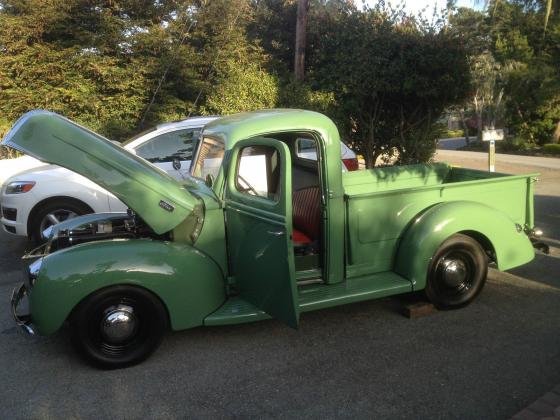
{"points": [[414, 6]]}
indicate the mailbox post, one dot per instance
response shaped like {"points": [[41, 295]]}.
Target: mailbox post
{"points": [[491, 136]]}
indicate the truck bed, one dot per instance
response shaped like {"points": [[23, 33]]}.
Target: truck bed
{"points": [[380, 203]]}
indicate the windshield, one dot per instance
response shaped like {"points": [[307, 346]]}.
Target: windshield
{"points": [[137, 136], [209, 158]]}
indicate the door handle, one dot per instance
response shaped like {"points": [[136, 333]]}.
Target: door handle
{"points": [[276, 232]]}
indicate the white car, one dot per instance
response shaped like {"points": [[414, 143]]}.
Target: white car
{"points": [[43, 195], [11, 167]]}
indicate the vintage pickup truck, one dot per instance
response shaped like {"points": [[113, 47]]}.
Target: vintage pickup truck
{"points": [[258, 230]]}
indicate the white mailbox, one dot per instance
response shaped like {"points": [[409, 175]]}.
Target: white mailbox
{"points": [[491, 136]]}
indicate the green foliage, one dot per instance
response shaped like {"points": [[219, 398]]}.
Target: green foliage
{"points": [[241, 87], [513, 144], [122, 65], [453, 133], [390, 79], [551, 148]]}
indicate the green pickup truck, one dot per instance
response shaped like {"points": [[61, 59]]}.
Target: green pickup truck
{"points": [[262, 228]]}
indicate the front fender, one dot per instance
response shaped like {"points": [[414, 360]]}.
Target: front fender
{"points": [[187, 281], [429, 230]]}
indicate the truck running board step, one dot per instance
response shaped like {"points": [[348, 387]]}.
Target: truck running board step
{"points": [[317, 296]]}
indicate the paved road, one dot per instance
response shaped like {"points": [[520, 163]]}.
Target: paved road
{"points": [[501, 159], [488, 360], [453, 143]]}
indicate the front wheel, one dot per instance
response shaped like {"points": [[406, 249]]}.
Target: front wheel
{"points": [[118, 326], [457, 272]]}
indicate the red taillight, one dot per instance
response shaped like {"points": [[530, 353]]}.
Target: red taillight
{"points": [[351, 164]]}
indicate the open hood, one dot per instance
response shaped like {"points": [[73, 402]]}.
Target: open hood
{"points": [[156, 197]]}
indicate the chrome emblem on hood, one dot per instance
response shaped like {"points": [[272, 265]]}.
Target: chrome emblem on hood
{"points": [[166, 206]]}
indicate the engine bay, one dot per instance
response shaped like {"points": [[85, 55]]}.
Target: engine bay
{"points": [[94, 227]]}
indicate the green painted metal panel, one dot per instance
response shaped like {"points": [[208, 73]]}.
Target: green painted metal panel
{"points": [[161, 201], [187, 281], [384, 224], [235, 128], [313, 297], [428, 231], [259, 234], [378, 216]]}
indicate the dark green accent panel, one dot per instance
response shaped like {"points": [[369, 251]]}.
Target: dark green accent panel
{"points": [[155, 196], [429, 230], [189, 283], [313, 297], [259, 240]]}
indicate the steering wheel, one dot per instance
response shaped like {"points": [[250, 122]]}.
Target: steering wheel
{"points": [[248, 187]]}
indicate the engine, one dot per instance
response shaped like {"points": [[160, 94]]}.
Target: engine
{"points": [[95, 227]]}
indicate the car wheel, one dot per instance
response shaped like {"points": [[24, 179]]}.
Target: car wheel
{"points": [[54, 212], [118, 326], [457, 272]]}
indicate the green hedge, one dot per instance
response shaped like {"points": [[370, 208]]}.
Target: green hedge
{"points": [[552, 149]]}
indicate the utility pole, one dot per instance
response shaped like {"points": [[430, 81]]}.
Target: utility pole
{"points": [[301, 24]]}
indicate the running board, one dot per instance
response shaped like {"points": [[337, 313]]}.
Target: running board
{"points": [[316, 296]]}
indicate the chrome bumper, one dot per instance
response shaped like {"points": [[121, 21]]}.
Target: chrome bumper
{"points": [[24, 321]]}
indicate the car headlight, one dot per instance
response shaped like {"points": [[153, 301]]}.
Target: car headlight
{"points": [[19, 187]]}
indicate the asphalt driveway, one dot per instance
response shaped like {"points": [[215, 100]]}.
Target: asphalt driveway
{"points": [[488, 360]]}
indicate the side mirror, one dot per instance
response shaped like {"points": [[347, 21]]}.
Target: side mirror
{"points": [[176, 163]]}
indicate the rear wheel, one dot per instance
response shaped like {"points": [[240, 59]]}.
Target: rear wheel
{"points": [[118, 326], [457, 272], [54, 212]]}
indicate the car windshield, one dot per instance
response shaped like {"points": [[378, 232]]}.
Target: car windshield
{"points": [[137, 136], [209, 158]]}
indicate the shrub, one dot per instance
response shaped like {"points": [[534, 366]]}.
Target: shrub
{"points": [[552, 149], [453, 133], [515, 144]]}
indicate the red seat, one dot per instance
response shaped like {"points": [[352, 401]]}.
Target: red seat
{"points": [[306, 212], [300, 238]]}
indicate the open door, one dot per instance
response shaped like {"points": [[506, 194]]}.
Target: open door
{"points": [[258, 211]]}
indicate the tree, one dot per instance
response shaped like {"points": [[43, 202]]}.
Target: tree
{"points": [[392, 77], [532, 82], [301, 28]]}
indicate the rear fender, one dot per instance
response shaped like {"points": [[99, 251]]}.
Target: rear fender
{"points": [[188, 282], [428, 231]]}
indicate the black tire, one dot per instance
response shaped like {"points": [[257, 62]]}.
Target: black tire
{"points": [[93, 335], [457, 272], [62, 208]]}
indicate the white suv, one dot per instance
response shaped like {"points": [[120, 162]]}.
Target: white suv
{"points": [[44, 195]]}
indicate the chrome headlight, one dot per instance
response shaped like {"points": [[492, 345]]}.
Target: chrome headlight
{"points": [[19, 187]]}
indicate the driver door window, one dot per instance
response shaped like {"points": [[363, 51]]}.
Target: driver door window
{"points": [[258, 172]]}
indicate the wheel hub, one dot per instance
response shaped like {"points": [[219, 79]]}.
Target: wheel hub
{"points": [[119, 324], [454, 272]]}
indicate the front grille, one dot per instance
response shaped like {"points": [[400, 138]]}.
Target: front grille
{"points": [[9, 214], [10, 229]]}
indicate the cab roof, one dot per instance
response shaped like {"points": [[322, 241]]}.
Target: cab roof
{"points": [[234, 128]]}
